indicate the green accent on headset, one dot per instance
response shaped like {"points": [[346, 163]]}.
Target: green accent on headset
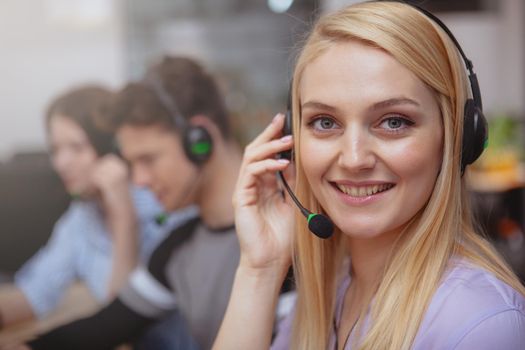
{"points": [[200, 148], [486, 143], [161, 218], [311, 216]]}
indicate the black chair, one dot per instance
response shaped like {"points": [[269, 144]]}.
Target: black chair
{"points": [[32, 198]]}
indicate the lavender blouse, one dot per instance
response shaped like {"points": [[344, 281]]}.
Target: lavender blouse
{"points": [[471, 309]]}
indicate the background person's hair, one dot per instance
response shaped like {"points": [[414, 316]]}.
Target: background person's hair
{"points": [[441, 229], [192, 89], [86, 106]]}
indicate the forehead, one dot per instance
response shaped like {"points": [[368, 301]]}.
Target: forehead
{"points": [[353, 71], [63, 127], [138, 140]]}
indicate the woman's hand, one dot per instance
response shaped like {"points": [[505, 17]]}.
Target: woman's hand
{"points": [[264, 224], [263, 218]]}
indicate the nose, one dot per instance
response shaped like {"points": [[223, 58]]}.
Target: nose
{"points": [[357, 150], [141, 176]]}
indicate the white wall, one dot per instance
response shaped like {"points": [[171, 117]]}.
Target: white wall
{"points": [[495, 44], [48, 46]]}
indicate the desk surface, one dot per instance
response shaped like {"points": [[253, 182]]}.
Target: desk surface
{"points": [[496, 181], [77, 303]]}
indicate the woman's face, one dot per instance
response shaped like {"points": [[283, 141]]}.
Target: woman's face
{"points": [[72, 155], [371, 139]]}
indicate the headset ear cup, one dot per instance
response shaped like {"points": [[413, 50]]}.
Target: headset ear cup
{"points": [[481, 131], [198, 144], [475, 133]]}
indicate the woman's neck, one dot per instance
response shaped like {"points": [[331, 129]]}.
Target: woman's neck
{"points": [[369, 257]]}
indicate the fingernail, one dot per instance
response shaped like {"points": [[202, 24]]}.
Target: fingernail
{"points": [[283, 160], [286, 138], [277, 117]]}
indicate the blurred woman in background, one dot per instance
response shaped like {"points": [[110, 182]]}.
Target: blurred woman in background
{"points": [[108, 226]]}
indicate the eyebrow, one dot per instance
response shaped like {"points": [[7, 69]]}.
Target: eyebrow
{"points": [[378, 105], [318, 105], [394, 102]]}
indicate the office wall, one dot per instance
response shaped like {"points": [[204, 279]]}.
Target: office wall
{"points": [[47, 46], [494, 42]]}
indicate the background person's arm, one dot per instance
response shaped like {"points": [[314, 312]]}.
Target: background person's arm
{"points": [[112, 180], [115, 324], [146, 297], [41, 282], [14, 306]]}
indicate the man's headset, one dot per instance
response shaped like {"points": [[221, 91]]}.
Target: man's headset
{"points": [[196, 140], [474, 141]]}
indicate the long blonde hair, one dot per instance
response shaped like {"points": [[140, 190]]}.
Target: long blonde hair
{"points": [[441, 229]]}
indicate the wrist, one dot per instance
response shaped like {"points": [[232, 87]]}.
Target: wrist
{"points": [[264, 265], [114, 193], [275, 272], [118, 205]]}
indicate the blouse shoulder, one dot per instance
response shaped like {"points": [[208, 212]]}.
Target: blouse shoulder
{"points": [[469, 297]]}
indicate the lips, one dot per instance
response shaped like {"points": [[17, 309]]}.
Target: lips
{"points": [[359, 191]]}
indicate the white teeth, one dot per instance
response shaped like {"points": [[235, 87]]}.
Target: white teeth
{"points": [[363, 191]]}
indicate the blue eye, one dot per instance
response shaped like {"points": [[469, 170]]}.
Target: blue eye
{"points": [[395, 123], [323, 123]]}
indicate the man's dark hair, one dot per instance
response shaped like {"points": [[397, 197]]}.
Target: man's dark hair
{"points": [[189, 87], [86, 106]]}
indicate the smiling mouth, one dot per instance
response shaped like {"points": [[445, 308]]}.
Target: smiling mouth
{"points": [[363, 191]]}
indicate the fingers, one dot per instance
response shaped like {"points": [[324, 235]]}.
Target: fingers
{"points": [[110, 170], [268, 149], [259, 160], [112, 164], [247, 193], [271, 131], [265, 145]]}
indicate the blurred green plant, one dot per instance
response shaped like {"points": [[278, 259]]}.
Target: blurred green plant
{"points": [[506, 132], [505, 147]]}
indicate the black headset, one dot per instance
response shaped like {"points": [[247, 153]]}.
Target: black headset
{"points": [[474, 140], [196, 140], [475, 129]]}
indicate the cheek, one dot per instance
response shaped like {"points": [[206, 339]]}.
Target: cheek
{"points": [[55, 163], [88, 163], [416, 165], [420, 158], [315, 157], [173, 172]]}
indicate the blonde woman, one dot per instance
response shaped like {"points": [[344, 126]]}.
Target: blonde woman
{"points": [[381, 109]]}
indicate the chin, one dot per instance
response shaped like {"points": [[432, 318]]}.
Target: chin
{"points": [[360, 234], [362, 230], [74, 190], [82, 192]]}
